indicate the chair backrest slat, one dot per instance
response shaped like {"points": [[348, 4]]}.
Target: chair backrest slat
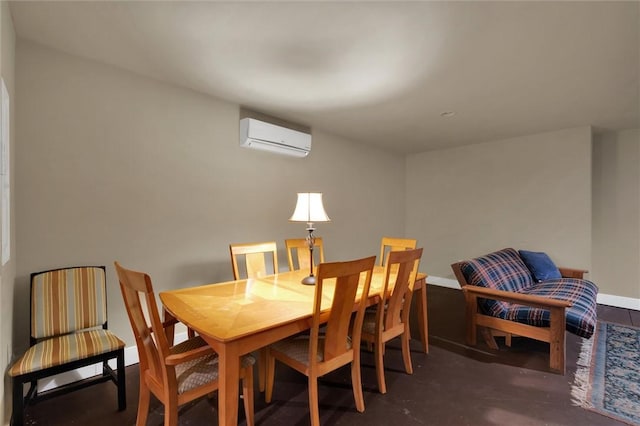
{"points": [[67, 299], [301, 249], [343, 280], [401, 269], [255, 255], [153, 347], [389, 244]]}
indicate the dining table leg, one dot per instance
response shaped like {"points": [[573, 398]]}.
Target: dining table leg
{"points": [[228, 382]]}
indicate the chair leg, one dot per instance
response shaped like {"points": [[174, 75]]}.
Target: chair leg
{"points": [[247, 393], [122, 384], [406, 352], [33, 390], [379, 358], [356, 382], [17, 416], [269, 373], [143, 402], [314, 410], [262, 363], [171, 411]]}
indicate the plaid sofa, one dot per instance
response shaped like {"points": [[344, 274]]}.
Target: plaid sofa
{"points": [[505, 270]]}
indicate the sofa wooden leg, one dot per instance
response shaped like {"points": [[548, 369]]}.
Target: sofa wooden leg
{"points": [[471, 311], [488, 338], [557, 341]]}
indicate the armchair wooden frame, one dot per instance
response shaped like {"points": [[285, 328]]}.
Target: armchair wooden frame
{"points": [[555, 334], [301, 249], [316, 355], [165, 369], [391, 318]]}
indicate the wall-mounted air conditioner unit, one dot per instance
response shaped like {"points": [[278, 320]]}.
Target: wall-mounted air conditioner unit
{"points": [[258, 134]]}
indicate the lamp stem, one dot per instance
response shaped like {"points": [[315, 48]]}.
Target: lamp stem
{"points": [[311, 241]]}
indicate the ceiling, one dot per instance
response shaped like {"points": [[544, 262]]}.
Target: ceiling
{"points": [[380, 73]]}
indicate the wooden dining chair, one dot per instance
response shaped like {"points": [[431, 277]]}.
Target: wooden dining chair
{"points": [[256, 261], [391, 318], [389, 244], [174, 374], [316, 354], [256, 258], [298, 253]]}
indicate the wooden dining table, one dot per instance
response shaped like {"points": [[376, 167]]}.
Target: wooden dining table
{"points": [[239, 317]]}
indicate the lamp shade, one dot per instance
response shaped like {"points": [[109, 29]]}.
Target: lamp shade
{"points": [[309, 208]]}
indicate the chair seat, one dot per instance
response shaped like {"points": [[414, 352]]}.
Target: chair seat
{"points": [[200, 371], [297, 348], [64, 349], [369, 322]]}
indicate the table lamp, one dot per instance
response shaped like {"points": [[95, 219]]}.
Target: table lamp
{"points": [[309, 209]]}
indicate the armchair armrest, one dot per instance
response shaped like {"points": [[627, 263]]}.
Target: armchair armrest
{"points": [[168, 324], [572, 273], [179, 358]]}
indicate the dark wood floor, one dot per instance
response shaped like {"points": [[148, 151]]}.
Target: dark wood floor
{"points": [[453, 385]]}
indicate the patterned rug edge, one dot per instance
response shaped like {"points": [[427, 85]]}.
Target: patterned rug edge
{"points": [[581, 389]]}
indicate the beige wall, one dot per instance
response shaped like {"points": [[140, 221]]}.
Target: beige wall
{"points": [[113, 166], [8, 271], [616, 213], [531, 192]]}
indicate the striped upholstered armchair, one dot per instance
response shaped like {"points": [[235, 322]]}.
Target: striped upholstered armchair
{"points": [[68, 331]]}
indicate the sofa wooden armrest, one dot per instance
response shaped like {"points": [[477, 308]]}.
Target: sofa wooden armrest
{"points": [[572, 273], [511, 297]]}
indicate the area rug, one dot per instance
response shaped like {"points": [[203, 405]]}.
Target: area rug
{"points": [[607, 379]]}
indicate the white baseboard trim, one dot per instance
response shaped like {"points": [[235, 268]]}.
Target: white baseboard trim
{"points": [[619, 301], [443, 282], [603, 299]]}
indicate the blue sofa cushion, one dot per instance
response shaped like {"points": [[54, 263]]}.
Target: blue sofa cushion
{"points": [[500, 270], [541, 266], [581, 316]]}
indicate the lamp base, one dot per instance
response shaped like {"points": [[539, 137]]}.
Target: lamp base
{"points": [[310, 280]]}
